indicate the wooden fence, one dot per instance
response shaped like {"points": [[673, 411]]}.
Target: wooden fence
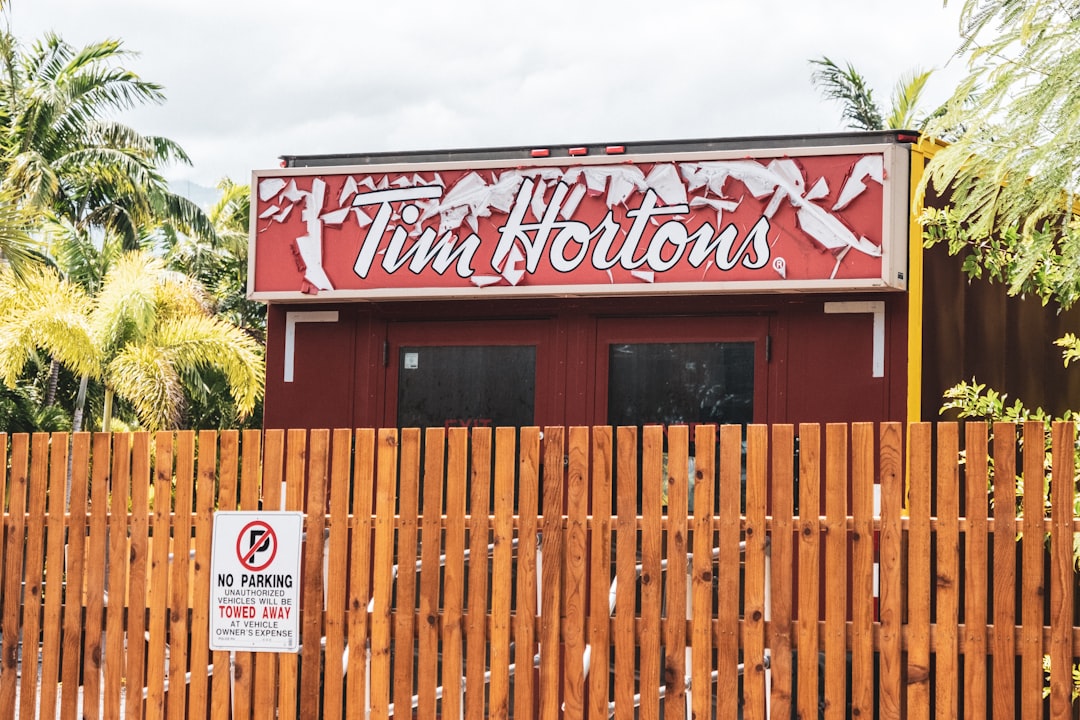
{"points": [[861, 571]]}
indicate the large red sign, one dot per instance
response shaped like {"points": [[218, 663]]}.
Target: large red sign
{"points": [[830, 219]]}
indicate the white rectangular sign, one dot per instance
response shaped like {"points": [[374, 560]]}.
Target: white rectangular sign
{"points": [[255, 581]]}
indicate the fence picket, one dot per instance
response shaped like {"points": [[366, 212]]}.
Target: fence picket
{"points": [[701, 600], [363, 497], [94, 622], [947, 590], [199, 689], [250, 492], [158, 574], [33, 573], [337, 571], [1033, 589], [406, 527], [179, 578], [14, 570], [551, 573], [600, 574], [976, 480], [53, 586], [1062, 570], [1003, 652], [809, 568], [755, 607], [626, 545], [728, 528], [781, 543], [917, 669], [527, 570], [311, 599], [427, 657], [863, 474], [266, 664], [457, 478], [891, 566], [502, 566], [75, 574], [229, 452], [836, 544], [476, 600], [574, 580], [678, 476], [295, 480], [650, 629]]}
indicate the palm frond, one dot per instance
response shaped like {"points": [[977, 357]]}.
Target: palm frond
{"points": [[850, 88]]}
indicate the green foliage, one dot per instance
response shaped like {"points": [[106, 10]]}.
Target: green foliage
{"points": [[861, 111], [1011, 178]]}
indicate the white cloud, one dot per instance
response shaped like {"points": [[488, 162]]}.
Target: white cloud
{"points": [[249, 81]]}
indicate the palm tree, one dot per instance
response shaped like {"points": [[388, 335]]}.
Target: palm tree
{"points": [[861, 111], [60, 153], [146, 337]]}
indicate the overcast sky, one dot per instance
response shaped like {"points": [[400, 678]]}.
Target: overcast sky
{"points": [[249, 81]]}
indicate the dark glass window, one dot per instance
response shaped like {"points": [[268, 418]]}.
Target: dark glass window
{"points": [[681, 383], [475, 385]]}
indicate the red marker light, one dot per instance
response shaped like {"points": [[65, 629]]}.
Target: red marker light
{"points": [[615, 149], [540, 152], [578, 151]]}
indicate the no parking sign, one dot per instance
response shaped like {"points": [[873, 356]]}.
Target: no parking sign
{"points": [[255, 581]]}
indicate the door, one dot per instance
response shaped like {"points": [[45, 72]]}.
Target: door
{"points": [[469, 374]]}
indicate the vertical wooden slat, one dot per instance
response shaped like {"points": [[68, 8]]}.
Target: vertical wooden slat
{"points": [[138, 573], [809, 567], [476, 617], [918, 577], [15, 527], [782, 592], [975, 581], [702, 571], [457, 487], [76, 563], [551, 572], [525, 616], [836, 545], [652, 477], [158, 591], [94, 647], [754, 608], [120, 488], [180, 573], [863, 473], [1033, 589], [312, 596], [678, 478], [600, 573], [1062, 574], [503, 569], [386, 490], [729, 530], [947, 590], [625, 562], [334, 671], [53, 588], [229, 450], [205, 497], [266, 664], [427, 672], [1004, 581], [405, 615], [296, 454], [890, 568], [35, 561], [574, 587], [250, 490], [360, 571]]}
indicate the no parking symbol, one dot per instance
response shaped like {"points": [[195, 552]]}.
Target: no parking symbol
{"points": [[256, 546]]}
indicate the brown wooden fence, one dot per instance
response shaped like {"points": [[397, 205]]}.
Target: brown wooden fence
{"points": [[860, 571]]}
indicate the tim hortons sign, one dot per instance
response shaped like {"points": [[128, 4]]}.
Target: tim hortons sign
{"points": [[828, 219]]}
